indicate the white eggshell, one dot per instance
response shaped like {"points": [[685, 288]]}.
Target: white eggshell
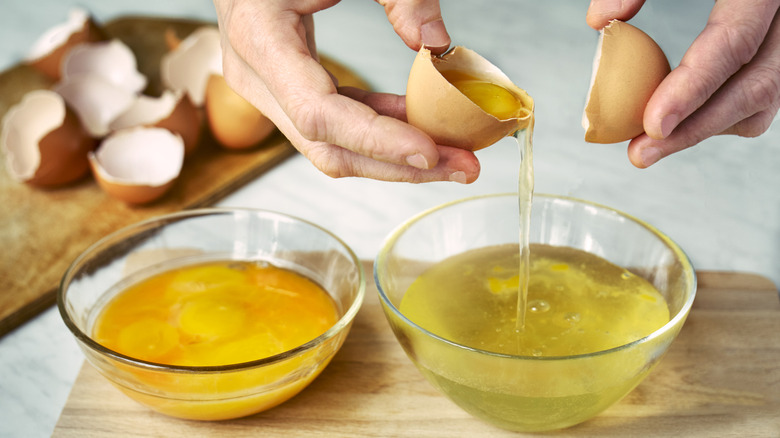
{"points": [[138, 165], [188, 66], [112, 60], [172, 111], [96, 100]]}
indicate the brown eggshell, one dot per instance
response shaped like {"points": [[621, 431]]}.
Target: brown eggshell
{"points": [[627, 69], [44, 142], [47, 53], [234, 122], [449, 117], [138, 165], [173, 112]]}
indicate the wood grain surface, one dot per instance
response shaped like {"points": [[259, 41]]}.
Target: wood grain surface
{"points": [[720, 378], [42, 231]]}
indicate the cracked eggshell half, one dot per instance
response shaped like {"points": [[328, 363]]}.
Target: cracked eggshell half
{"points": [[187, 67], [138, 165], [44, 142], [172, 111], [234, 122], [96, 100], [450, 118], [627, 68], [49, 50], [111, 60]]}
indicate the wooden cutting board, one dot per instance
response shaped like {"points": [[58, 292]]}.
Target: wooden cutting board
{"points": [[721, 377], [42, 231]]}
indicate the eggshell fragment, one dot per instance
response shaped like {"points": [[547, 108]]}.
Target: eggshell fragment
{"points": [[188, 67], [43, 141], [111, 60], [138, 165], [48, 51], [174, 112], [450, 118], [234, 122], [96, 101], [627, 68]]}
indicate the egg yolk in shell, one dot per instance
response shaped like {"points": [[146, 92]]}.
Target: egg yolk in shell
{"points": [[491, 98]]}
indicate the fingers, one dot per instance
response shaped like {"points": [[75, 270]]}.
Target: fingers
{"points": [[730, 40], [601, 12], [300, 97], [418, 23], [736, 94]]}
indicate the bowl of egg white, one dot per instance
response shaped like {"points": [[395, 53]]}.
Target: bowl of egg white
{"points": [[540, 336]]}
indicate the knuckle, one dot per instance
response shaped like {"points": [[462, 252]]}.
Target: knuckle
{"points": [[762, 88], [743, 39], [306, 118]]}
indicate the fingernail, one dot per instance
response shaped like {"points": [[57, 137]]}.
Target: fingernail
{"points": [[607, 7], [433, 35], [668, 124], [418, 161], [458, 177], [650, 155]]}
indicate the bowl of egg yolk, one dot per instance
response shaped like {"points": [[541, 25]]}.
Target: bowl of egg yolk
{"points": [[533, 337], [213, 314]]}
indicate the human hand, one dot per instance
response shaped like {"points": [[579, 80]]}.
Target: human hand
{"points": [[728, 81], [270, 58]]}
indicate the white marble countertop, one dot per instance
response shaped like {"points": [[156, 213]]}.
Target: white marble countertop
{"points": [[720, 201]]}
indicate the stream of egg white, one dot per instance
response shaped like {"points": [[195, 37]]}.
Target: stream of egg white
{"points": [[525, 190]]}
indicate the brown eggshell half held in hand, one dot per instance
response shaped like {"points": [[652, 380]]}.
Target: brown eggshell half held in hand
{"points": [[627, 68], [450, 118]]}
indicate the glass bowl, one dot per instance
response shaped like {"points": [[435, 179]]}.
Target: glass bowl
{"points": [[195, 236], [532, 393]]}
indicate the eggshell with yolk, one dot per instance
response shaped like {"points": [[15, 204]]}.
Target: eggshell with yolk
{"points": [[450, 118]]}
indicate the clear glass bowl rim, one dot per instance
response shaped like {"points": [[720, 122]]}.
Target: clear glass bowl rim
{"points": [[395, 234], [86, 340]]}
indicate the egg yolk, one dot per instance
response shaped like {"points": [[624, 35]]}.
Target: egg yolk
{"points": [[493, 99], [215, 314]]}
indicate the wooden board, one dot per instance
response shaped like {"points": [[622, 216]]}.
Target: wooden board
{"points": [[721, 377], [42, 231]]}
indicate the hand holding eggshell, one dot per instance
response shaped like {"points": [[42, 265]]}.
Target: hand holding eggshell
{"points": [[342, 131], [728, 82]]}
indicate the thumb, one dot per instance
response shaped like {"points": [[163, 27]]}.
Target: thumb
{"points": [[418, 23], [601, 12]]}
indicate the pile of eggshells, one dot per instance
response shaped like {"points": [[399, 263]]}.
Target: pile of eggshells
{"points": [[95, 118]]}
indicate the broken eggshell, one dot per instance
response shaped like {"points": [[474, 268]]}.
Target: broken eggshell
{"points": [[138, 165], [627, 68], [44, 142], [111, 60], [234, 122], [96, 100], [187, 67], [172, 111], [48, 52], [450, 118]]}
